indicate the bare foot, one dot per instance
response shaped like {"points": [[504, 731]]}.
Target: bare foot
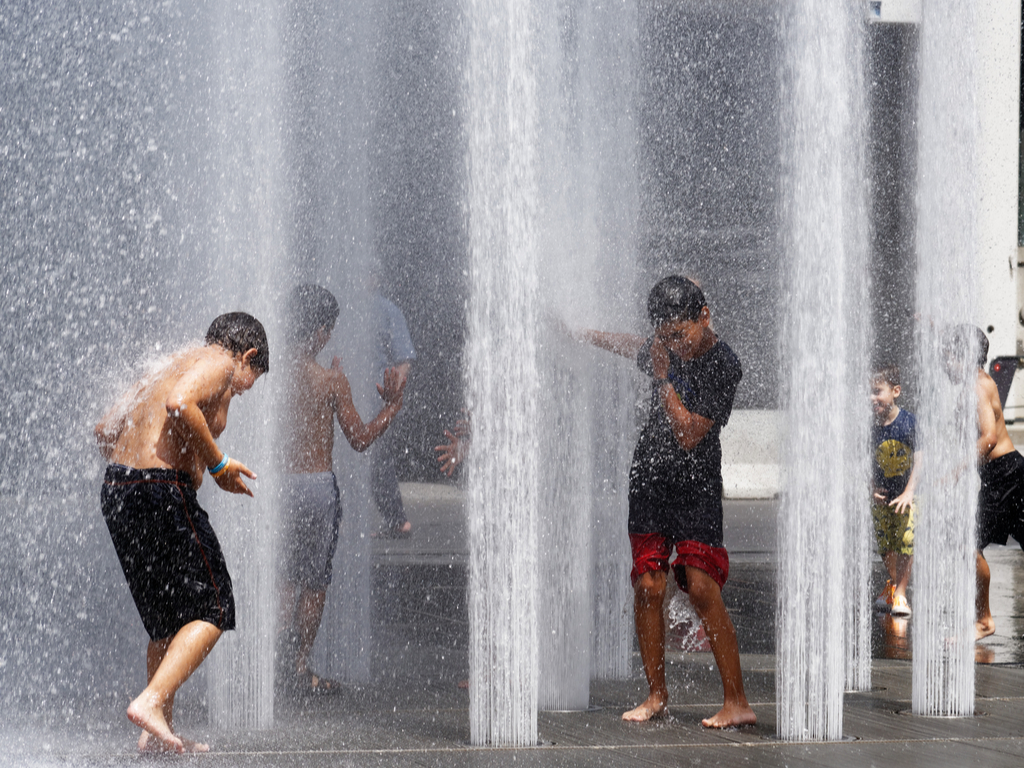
{"points": [[731, 715], [147, 713], [984, 655], [151, 746], [984, 628], [403, 531], [654, 707]]}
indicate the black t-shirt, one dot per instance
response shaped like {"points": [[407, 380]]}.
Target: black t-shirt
{"points": [[671, 490]]}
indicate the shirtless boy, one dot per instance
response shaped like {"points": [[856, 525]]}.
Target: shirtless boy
{"points": [[312, 511], [159, 440], [1001, 499], [675, 487]]}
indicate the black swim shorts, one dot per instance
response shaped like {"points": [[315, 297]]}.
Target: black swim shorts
{"points": [[1001, 500], [167, 548]]}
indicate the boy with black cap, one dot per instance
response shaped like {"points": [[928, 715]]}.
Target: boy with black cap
{"points": [[675, 486]]}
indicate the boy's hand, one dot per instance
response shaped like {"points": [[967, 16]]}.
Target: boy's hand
{"points": [[659, 358], [336, 363], [393, 387], [901, 503], [451, 454], [230, 480]]}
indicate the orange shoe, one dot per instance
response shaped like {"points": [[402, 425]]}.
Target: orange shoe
{"points": [[900, 606]]}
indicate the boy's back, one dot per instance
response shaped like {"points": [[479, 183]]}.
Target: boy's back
{"points": [[311, 407], [315, 397]]}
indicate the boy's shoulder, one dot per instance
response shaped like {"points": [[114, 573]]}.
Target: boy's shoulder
{"points": [[310, 375], [908, 419], [720, 359], [211, 366], [904, 427]]}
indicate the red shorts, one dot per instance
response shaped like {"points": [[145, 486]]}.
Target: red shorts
{"points": [[651, 552]]}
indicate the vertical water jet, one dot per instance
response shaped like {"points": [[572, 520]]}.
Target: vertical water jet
{"points": [[329, 60], [824, 345], [248, 195], [601, 153], [943, 666], [502, 379]]}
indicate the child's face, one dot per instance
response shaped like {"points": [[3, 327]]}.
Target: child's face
{"points": [[684, 337], [245, 375], [883, 398]]}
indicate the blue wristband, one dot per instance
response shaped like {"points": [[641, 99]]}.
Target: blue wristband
{"points": [[214, 471]]}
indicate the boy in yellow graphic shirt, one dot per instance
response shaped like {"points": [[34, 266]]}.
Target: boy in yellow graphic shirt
{"points": [[895, 472]]}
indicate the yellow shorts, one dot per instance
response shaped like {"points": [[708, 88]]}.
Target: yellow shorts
{"points": [[894, 532]]}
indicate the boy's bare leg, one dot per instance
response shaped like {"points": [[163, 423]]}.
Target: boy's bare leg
{"points": [[155, 653], [174, 662], [706, 598], [984, 624], [648, 600], [898, 565], [310, 612]]}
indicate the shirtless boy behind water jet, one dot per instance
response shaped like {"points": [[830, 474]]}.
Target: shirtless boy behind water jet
{"points": [[1001, 466], [312, 512]]}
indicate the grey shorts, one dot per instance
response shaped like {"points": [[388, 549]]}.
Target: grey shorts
{"points": [[311, 517]]}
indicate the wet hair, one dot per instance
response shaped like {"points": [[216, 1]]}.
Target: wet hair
{"points": [[674, 298], [982, 346], [238, 332], [957, 340], [310, 308], [888, 373]]}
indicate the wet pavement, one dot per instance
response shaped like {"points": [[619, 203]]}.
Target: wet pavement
{"points": [[415, 713]]}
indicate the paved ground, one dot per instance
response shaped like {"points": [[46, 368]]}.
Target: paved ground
{"points": [[415, 713]]}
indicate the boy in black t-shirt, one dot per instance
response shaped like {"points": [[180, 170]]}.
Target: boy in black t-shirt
{"points": [[895, 471], [675, 486]]}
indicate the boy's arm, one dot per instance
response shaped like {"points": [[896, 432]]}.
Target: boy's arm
{"points": [[901, 504], [359, 435], [453, 453], [204, 383], [688, 428], [625, 344], [988, 433]]}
